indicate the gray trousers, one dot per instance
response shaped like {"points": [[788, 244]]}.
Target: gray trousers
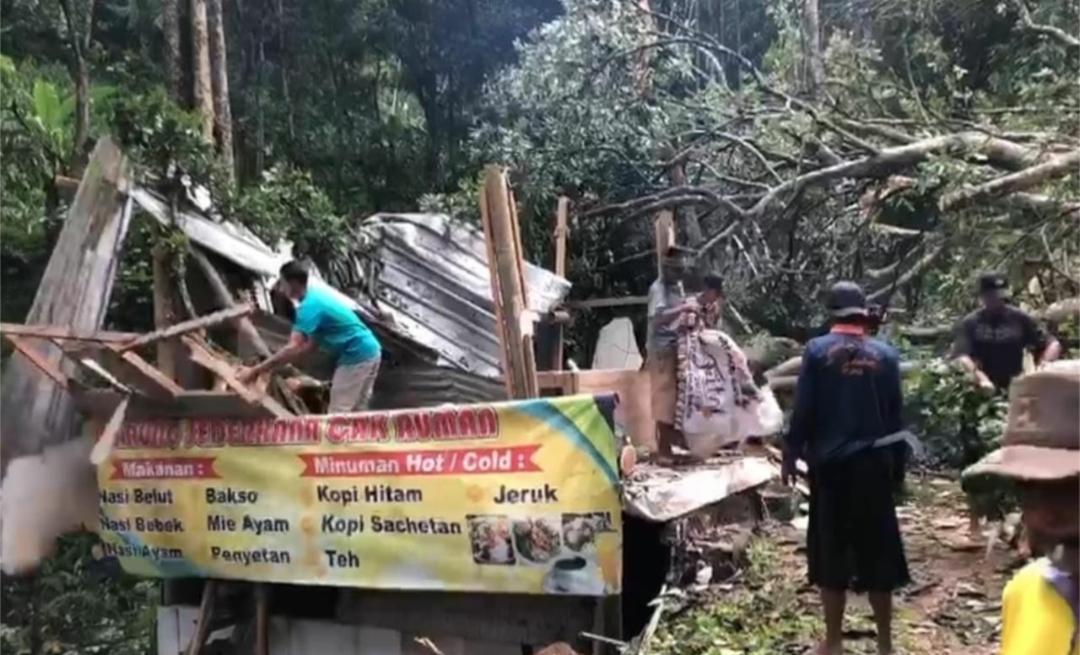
{"points": [[351, 387]]}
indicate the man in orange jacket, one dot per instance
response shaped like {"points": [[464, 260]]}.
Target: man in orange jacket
{"points": [[1041, 452]]}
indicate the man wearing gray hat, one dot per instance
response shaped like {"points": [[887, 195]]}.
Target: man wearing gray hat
{"points": [[848, 405]]}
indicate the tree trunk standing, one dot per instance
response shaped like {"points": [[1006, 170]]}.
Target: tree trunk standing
{"points": [[219, 78], [815, 65], [200, 55], [174, 62], [80, 30]]}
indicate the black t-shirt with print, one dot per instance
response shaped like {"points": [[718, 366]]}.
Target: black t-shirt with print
{"points": [[997, 339]]}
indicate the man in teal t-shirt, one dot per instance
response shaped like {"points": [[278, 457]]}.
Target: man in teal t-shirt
{"points": [[323, 319]]}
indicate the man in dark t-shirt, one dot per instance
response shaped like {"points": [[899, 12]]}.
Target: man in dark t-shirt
{"points": [[990, 342]]}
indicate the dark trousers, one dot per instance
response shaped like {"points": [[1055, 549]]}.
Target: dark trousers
{"points": [[853, 541]]}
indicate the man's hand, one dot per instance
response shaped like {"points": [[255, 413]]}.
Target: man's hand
{"points": [[246, 375], [984, 383], [788, 470]]}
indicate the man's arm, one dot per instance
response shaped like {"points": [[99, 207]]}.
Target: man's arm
{"points": [[894, 394], [1044, 347], [659, 313], [802, 414], [961, 354], [298, 344]]}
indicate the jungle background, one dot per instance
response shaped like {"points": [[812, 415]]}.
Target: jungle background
{"points": [[903, 144]]}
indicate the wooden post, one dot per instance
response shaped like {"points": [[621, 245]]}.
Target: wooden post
{"points": [[665, 235], [262, 618], [163, 310], [202, 624], [562, 230], [507, 283], [496, 295]]}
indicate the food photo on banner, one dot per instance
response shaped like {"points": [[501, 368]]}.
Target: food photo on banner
{"points": [[514, 497]]}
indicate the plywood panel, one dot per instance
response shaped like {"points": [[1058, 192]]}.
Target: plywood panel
{"points": [[168, 631], [634, 412]]}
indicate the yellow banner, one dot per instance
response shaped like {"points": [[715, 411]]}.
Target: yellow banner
{"points": [[517, 497]]}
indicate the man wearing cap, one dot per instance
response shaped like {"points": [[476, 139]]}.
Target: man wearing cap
{"points": [[848, 404], [1041, 453], [990, 342], [667, 303]]}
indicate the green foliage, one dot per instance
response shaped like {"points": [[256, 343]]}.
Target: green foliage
{"points": [[287, 205], [163, 140], [74, 607], [959, 422], [761, 616]]}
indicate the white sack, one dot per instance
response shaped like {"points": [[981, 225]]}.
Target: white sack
{"points": [[43, 497], [719, 404]]}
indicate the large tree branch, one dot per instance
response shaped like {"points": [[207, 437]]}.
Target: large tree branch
{"points": [[1012, 183], [1056, 33]]}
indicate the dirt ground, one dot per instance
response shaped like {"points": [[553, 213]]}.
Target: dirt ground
{"points": [[952, 607]]}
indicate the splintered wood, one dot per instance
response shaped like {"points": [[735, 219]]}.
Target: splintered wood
{"points": [[135, 386], [74, 292]]}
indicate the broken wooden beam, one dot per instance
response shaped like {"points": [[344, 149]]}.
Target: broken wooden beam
{"points": [[203, 356], [60, 333], [139, 373], [40, 361], [107, 440], [187, 327], [596, 303], [74, 292]]}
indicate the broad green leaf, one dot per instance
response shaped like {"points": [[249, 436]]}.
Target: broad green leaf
{"points": [[48, 107]]}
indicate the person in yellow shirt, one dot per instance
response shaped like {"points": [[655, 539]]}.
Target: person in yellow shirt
{"points": [[1041, 453]]}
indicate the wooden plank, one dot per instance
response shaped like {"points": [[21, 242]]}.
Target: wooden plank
{"points": [[262, 619], [202, 356], [187, 327], [39, 360], [74, 292], [523, 317], [596, 303], [562, 231], [166, 355], [104, 446], [61, 333], [141, 373], [206, 611], [665, 235], [505, 266], [496, 293]]}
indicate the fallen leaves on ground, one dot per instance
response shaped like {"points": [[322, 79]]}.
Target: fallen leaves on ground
{"points": [[952, 606]]}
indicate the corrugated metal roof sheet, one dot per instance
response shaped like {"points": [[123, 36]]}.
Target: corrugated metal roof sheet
{"points": [[431, 273]]}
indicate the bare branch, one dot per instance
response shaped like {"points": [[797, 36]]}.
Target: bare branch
{"points": [[1056, 33], [1011, 183]]}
